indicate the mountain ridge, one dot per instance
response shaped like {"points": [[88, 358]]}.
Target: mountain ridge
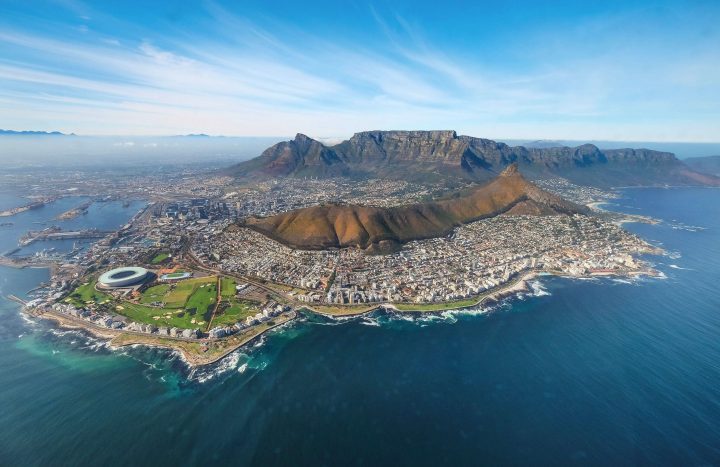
{"points": [[445, 155], [706, 164], [33, 133]]}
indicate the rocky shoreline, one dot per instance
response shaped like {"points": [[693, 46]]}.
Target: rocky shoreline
{"points": [[197, 353], [510, 289]]}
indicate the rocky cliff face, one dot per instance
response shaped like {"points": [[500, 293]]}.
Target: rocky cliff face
{"points": [[438, 155], [395, 146], [300, 155]]}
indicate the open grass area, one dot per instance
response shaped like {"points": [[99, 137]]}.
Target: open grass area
{"points": [[235, 310], [227, 287], [349, 310], [86, 294], [188, 304], [340, 310], [180, 293], [160, 257], [175, 275], [155, 293], [162, 316], [202, 301], [441, 306]]}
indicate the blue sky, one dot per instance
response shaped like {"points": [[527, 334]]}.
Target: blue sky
{"points": [[630, 70]]}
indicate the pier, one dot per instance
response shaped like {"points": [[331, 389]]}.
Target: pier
{"points": [[27, 207], [56, 234], [75, 212], [16, 299]]}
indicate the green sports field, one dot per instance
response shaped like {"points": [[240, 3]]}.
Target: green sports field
{"points": [[160, 257]]}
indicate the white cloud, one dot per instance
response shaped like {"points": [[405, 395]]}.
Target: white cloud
{"points": [[253, 82]]}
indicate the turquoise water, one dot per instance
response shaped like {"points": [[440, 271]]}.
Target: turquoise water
{"points": [[580, 372]]}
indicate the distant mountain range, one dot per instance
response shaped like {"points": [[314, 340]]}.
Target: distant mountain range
{"points": [[32, 133], [380, 230], [542, 143], [709, 164], [444, 155]]}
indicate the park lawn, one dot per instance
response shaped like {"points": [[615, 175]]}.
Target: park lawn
{"points": [[155, 294], [227, 287], [161, 316], [202, 301], [175, 275], [237, 311], [343, 310], [440, 306], [87, 293], [188, 304], [160, 257], [181, 292]]}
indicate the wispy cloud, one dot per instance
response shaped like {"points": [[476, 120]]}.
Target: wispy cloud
{"points": [[250, 80]]}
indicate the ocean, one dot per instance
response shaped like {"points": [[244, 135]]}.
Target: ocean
{"points": [[602, 371]]}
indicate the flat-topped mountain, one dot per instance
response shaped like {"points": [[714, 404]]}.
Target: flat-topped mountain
{"points": [[445, 155], [383, 229]]}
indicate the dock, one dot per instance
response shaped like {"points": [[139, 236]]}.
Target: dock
{"points": [[27, 207], [16, 299], [53, 234]]}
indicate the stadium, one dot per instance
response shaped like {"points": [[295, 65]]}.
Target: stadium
{"points": [[123, 277]]}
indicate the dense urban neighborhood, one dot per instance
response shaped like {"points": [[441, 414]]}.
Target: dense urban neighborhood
{"points": [[210, 282]]}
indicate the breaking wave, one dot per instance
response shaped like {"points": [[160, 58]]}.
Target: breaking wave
{"points": [[538, 290], [224, 365], [688, 228]]}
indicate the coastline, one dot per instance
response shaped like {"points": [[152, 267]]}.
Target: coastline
{"points": [[510, 289], [195, 353], [515, 286], [623, 218], [201, 352]]}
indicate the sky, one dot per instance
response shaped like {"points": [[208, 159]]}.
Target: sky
{"points": [[611, 70]]}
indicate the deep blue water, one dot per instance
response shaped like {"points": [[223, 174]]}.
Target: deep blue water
{"points": [[597, 372]]}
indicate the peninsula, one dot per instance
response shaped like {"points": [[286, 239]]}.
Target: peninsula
{"points": [[206, 275]]}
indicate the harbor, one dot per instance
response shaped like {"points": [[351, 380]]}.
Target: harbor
{"points": [[26, 207], [56, 233]]}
